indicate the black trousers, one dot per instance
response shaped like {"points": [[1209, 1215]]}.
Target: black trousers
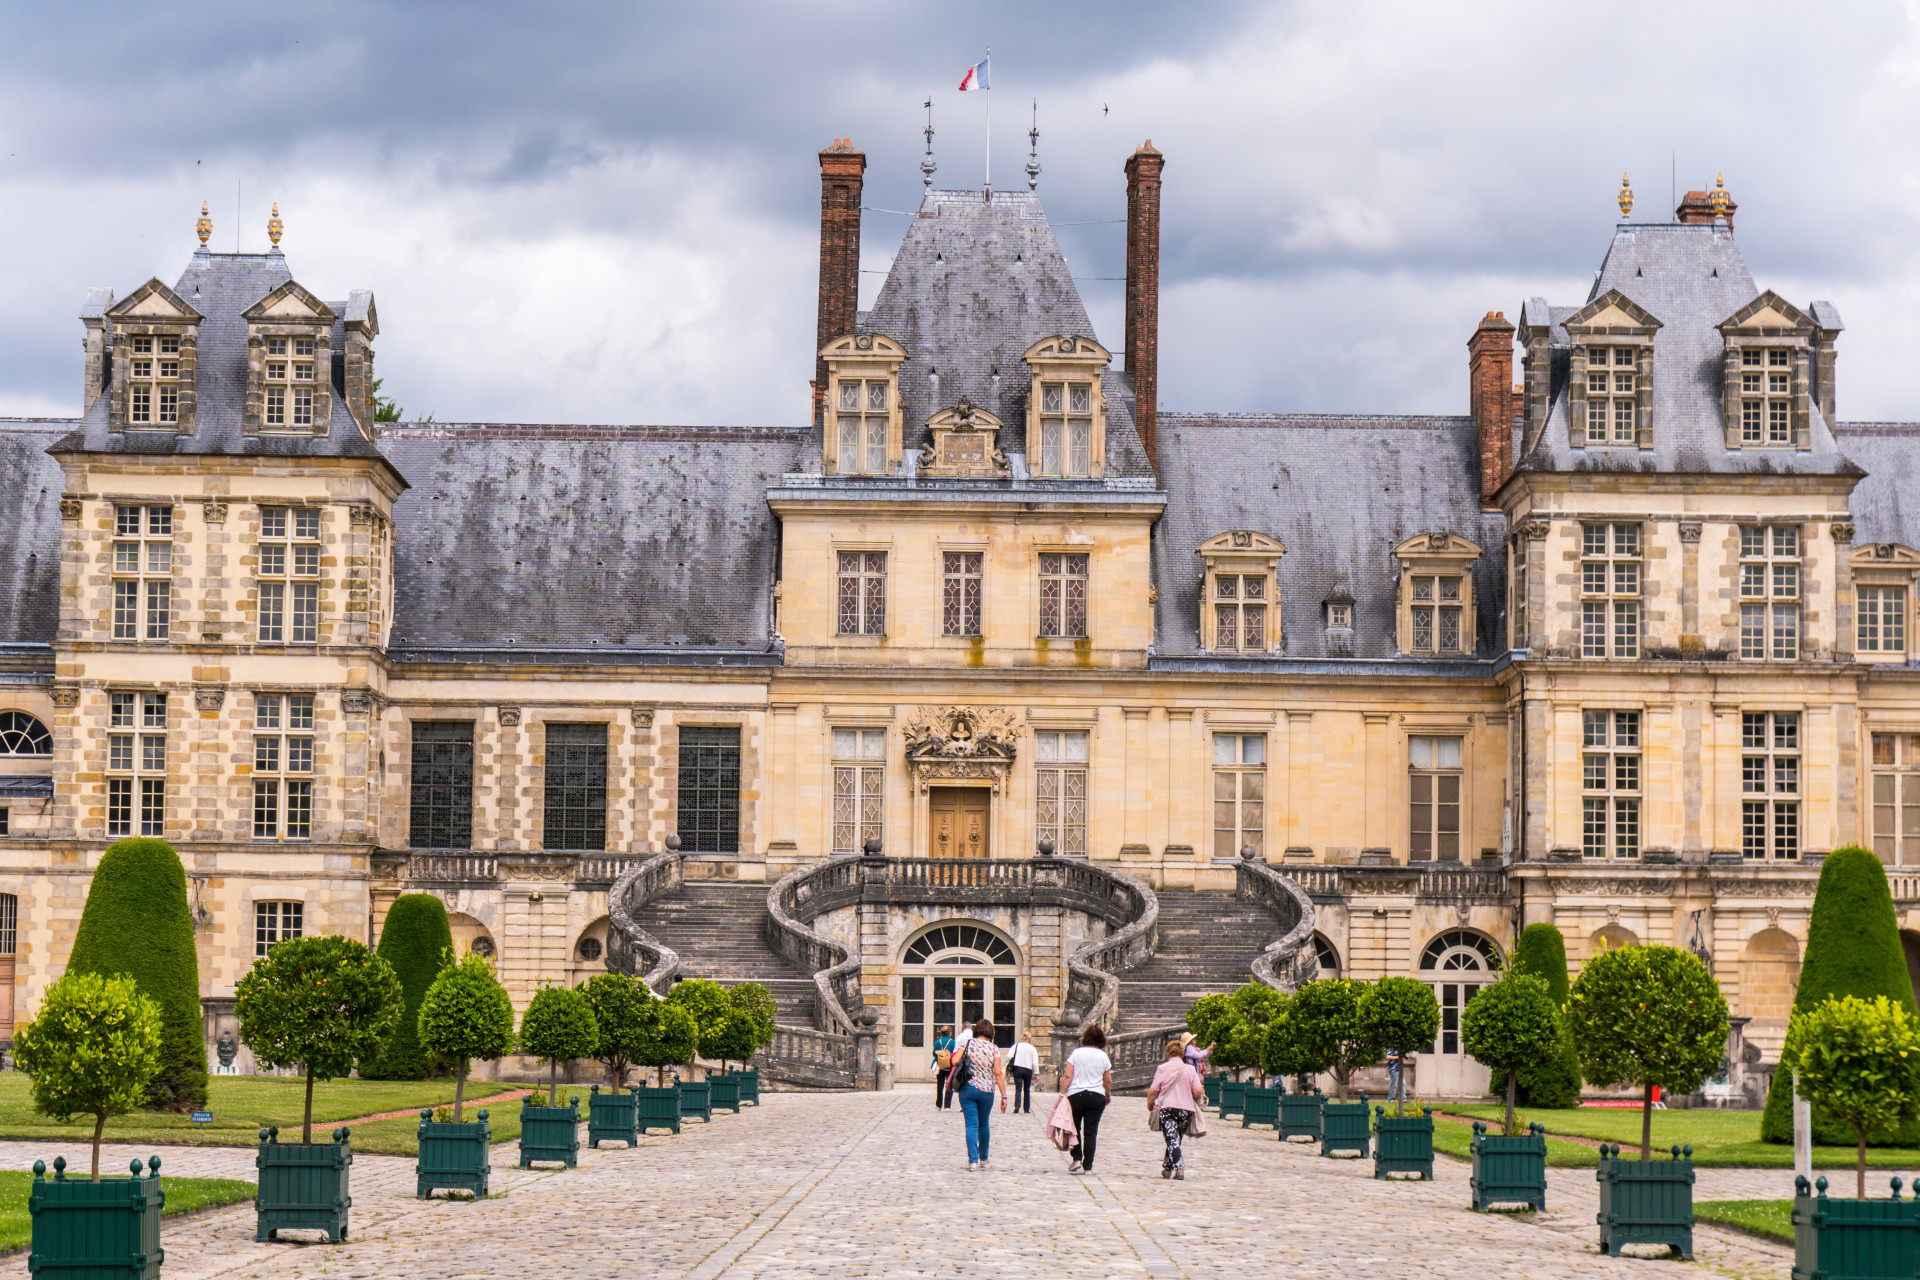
{"points": [[1087, 1107], [943, 1088], [1022, 1088]]}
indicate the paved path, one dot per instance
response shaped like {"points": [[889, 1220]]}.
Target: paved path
{"points": [[817, 1186]]}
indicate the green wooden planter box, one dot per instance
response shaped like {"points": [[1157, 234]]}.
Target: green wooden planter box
{"points": [[658, 1108], [1403, 1144], [1509, 1170], [1262, 1106], [613, 1117], [1846, 1239], [1646, 1201], [724, 1091], [1300, 1115], [749, 1079], [1233, 1098], [696, 1099], [1344, 1127], [1211, 1085], [107, 1230], [550, 1133], [453, 1157], [302, 1186]]}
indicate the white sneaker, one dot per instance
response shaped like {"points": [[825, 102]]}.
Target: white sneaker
{"points": [[983, 1164], [973, 1166]]}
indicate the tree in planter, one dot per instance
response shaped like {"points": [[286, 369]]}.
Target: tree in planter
{"points": [[319, 1004], [1650, 1016], [414, 939], [1325, 1018], [1283, 1053], [1211, 1019], [1552, 1081], [1859, 1061], [755, 1003], [707, 1002], [1241, 1042], [558, 1024], [466, 1014], [669, 1037], [93, 1050], [619, 1004], [137, 922], [1508, 1024], [1400, 1015]]}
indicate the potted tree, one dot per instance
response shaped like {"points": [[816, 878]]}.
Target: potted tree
{"points": [[1653, 1016], [320, 1004], [1284, 1054], [1401, 1016], [1325, 1015], [668, 1038], [706, 1001], [1210, 1019], [466, 1015], [735, 1039], [754, 1003], [618, 1002], [1509, 1024], [558, 1024]]}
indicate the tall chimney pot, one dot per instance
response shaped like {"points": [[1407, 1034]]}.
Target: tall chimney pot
{"points": [[1143, 293], [841, 170], [1490, 394]]}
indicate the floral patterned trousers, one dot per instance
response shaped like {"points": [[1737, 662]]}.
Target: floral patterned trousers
{"points": [[1173, 1125]]}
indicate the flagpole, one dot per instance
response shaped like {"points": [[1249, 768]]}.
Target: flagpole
{"points": [[989, 93]]}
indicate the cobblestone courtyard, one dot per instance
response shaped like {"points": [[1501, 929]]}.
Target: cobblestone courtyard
{"points": [[877, 1185]]}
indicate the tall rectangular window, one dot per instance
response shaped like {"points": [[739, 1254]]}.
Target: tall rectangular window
{"points": [[1610, 782], [1239, 793], [440, 799], [859, 787], [1610, 591], [1434, 781], [709, 789], [576, 787], [142, 573], [960, 593], [283, 766], [1066, 429], [276, 922], [861, 416], [1882, 619], [1610, 398], [1437, 612], [1770, 592], [153, 380], [1063, 594], [288, 574], [1240, 612], [1896, 798], [1766, 388], [289, 382], [136, 764], [1060, 790], [1770, 784], [863, 593]]}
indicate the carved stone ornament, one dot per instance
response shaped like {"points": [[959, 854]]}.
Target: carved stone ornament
{"points": [[510, 717], [1535, 530], [961, 742], [360, 513], [863, 342], [642, 717], [70, 508], [1689, 531], [209, 699], [1439, 541], [965, 444], [1613, 913], [214, 512], [544, 871], [66, 695], [1842, 531], [1630, 887], [1773, 916], [356, 702]]}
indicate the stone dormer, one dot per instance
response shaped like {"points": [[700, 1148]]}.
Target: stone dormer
{"points": [[1066, 410], [861, 412], [1610, 384], [289, 363], [154, 337], [1767, 375]]}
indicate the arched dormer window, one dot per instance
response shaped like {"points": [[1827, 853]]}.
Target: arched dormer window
{"points": [[1240, 603], [1066, 412], [22, 735], [1436, 613], [862, 435]]}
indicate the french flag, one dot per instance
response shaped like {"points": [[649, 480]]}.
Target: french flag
{"points": [[976, 77]]}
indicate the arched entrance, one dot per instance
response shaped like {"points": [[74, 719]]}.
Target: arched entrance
{"points": [[952, 974], [1456, 964]]}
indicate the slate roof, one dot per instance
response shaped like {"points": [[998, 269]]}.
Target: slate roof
{"points": [[1691, 278], [973, 285], [1886, 504], [1340, 492], [528, 537], [30, 486], [221, 286]]}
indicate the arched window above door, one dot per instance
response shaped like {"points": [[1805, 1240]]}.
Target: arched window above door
{"points": [[1460, 949], [986, 947], [22, 735]]}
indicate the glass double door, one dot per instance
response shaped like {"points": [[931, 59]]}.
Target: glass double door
{"points": [[1446, 1070], [932, 1000]]}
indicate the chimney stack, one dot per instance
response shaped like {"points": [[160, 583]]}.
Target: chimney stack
{"points": [[1143, 293], [841, 170], [1705, 208], [1490, 394]]}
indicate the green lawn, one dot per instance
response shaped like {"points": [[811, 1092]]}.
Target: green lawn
{"points": [[1455, 1138], [399, 1137], [184, 1195], [1719, 1138], [1771, 1218]]}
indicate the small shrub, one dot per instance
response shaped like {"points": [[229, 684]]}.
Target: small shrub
{"points": [[558, 1024], [1859, 1060], [467, 1014], [93, 1050]]}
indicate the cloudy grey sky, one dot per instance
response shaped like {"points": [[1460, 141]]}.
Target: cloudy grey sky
{"points": [[577, 212]]}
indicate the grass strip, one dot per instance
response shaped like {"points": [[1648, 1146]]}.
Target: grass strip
{"points": [[184, 1195], [1720, 1139], [1772, 1219], [1455, 1138]]}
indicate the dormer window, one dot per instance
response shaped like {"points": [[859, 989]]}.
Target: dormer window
{"points": [[154, 343], [289, 380], [1883, 608], [1436, 595], [1766, 390], [1611, 393], [861, 417], [1766, 375], [1066, 429], [290, 362], [1066, 410], [862, 426], [153, 380], [1610, 396], [1240, 604]]}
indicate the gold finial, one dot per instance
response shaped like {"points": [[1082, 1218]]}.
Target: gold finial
{"points": [[204, 227], [275, 226], [1718, 199], [1625, 198]]}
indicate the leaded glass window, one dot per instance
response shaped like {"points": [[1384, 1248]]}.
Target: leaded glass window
{"points": [[859, 787], [863, 593], [576, 787], [1240, 612], [960, 598], [709, 819], [441, 796], [1060, 790], [1066, 429], [1063, 594]]}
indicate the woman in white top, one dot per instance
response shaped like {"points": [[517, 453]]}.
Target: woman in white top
{"points": [[1087, 1080], [1021, 1064]]}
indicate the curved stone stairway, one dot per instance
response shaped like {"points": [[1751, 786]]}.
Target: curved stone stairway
{"points": [[716, 926], [1207, 943]]}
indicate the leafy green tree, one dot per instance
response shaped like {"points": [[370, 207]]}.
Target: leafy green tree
{"points": [[1399, 1014], [751, 1004], [467, 1014], [1650, 1016], [414, 939], [137, 922], [1211, 1019], [1552, 1081], [1283, 1054], [669, 1037], [1510, 1023], [93, 1050], [1325, 1017], [1853, 949], [706, 1002], [319, 1004], [1858, 1060], [1236, 1025], [619, 1002], [558, 1024]]}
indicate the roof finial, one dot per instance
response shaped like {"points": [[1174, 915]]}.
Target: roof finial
{"points": [[1625, 198], [1033, 148], [1718, 199], [204, 227], [275, 227], [927, 166]]}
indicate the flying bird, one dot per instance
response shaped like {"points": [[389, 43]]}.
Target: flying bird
{"points": [[1103, 108]]}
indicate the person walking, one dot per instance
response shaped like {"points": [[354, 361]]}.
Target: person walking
{"points": [[1177, 1093], [1396, 1088], [1021, 1066], [956, 1076], [1087, 1080], [943, 1069], [981, 1077]]}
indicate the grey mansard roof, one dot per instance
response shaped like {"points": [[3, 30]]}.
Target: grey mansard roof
{"points": [[1340, 493], [30, 487], [1886, 504]]}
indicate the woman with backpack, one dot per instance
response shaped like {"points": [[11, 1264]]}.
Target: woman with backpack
{"points": [[943, 1069]]}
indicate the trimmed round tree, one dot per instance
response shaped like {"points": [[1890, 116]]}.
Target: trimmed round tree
{"points": [[1283, 1054], [137, 922], [706, 1002], [1853, 949], [1552, 1081], [93, 1049], [1647, 1016], [754, 1003], [1325, 1018], [416, 940], [466, 1015], [1211, 1019], [319, 1004], [1859, 1061], [669, 1037], [1508, 1024], [619, 1002], [1399, 1014], [558, 1024]]}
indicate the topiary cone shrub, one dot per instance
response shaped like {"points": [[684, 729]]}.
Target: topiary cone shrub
{"points": [[137, 922], [414, 939], [1853, 949], [1553, 1081]]}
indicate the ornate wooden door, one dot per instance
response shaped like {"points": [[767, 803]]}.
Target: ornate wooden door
{"points": [[959, 822]]}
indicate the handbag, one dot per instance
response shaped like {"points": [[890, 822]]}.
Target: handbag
{"points": [[1153, 1119]]}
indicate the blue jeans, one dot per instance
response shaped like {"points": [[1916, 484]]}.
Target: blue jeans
{"points": [[977, 1105], [1396, 1090]]}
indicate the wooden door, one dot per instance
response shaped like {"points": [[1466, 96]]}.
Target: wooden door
{"points": [[959, 822]]}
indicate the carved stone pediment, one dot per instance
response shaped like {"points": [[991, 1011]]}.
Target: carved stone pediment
{"points": [[961, 742], [966, 444]]}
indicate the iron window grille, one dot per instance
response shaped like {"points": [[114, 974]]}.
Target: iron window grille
{"points": [[709, 793], [440, 796], [576, 787]]}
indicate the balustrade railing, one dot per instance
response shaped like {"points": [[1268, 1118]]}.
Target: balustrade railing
{"points": [[630, 948], [452, 868], [1463, 884], [799, 1055], [806, 895], [1289, 960]]}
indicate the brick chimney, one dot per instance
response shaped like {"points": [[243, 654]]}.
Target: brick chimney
{"points": [[841, 170], [1490, 394], [1143, 293], [1704, 208]]}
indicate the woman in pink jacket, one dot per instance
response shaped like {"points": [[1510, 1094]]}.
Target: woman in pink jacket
{"points": [[1177, 1091]]}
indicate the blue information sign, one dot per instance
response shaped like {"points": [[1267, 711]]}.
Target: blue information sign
{"points": [[201, 1118]]}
